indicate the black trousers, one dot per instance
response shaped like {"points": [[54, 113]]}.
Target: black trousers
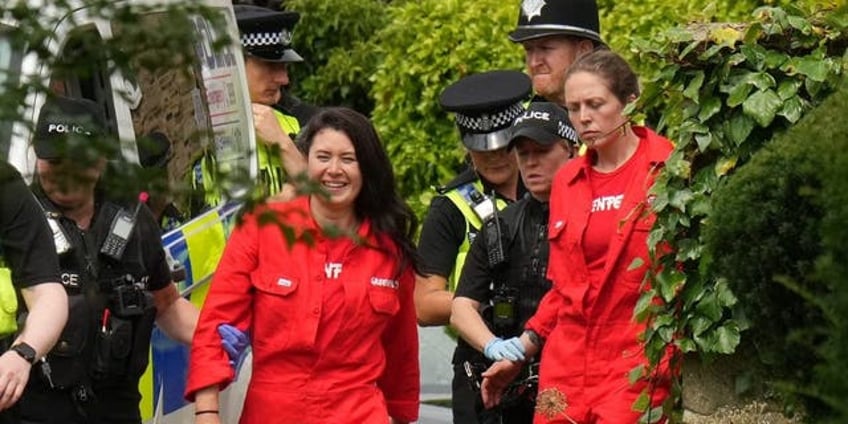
{"points": [[467, 405]]}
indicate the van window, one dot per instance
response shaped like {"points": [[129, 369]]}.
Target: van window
{"points": [[10, 68], [183, 114], [80, 72]]}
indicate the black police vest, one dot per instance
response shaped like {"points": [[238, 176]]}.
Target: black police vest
{"points": [[523, 280], [103, 339]]}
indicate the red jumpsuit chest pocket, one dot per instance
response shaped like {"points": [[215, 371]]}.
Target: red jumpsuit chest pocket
{"points": [[276, 285], [557, 249], [277, 299], [384, 300], [637, 247]]}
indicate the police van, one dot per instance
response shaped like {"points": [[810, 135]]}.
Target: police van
{"points": [[199, 112]]}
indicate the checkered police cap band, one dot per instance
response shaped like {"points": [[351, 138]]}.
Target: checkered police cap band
{"points": [[567, 132], [257, 39], [489, 122]]}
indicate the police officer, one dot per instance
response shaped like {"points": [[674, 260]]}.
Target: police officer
{"points": [[554, 33], [30, 268], [485, 105], [495, 298], [266, 42], [113, 270]]}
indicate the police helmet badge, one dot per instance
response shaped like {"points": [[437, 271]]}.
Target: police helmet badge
{"points": [[532, 8], [545, 18], [285, 37]]}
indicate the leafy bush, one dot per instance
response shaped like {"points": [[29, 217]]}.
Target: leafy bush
{"points": [[722, 92], [333, 38], [829, 129], [766, 248], [426, 46], [781, 215]]}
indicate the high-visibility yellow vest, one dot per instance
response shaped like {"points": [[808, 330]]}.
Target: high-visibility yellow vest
{"points": [[271, 169], [271, 172], [8, 302], [472, 221]]}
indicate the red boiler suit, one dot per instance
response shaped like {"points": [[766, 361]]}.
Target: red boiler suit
{"points": [[332, 325], [591, 337]]}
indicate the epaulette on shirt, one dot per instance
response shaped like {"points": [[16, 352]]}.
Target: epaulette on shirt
{"points": [[463, 178]]}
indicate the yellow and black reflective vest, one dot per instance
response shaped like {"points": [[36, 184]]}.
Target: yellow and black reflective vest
{"points": [[462, 197]]}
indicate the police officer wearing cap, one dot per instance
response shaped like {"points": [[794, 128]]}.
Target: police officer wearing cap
{"points": [[485, 105], [495, 298], [554, 33], [29, 270], [265, 36], [114, 272]]}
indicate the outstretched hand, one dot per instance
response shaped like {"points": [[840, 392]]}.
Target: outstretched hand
{"points": [[495, 381]]}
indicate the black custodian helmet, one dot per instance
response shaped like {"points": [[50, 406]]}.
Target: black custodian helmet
{"points": [[543, 18]]}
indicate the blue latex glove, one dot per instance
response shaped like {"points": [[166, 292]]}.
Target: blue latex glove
{"points": [[235, 343], [499, 349]]}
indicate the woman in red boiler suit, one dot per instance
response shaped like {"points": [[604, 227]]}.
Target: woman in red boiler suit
{"points": [[331, 318], [599, 224]]}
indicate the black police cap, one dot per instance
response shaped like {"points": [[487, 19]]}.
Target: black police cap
{"points": [[71, 128], [545, 123], [485, 105], [543, 18], [266, 34]]}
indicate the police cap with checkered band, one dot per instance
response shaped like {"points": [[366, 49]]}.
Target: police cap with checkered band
{"points": [[543, 18], [486, 104], [266, 34]]}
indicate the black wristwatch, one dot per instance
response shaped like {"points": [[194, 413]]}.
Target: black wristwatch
{"points": [[26, 351]]}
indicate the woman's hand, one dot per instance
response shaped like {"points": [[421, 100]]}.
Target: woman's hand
{"points": [[496, 379]]}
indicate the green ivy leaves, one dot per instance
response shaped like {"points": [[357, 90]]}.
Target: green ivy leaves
{"points": [[725, 90]]}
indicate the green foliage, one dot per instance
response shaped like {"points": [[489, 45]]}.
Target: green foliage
{"points": [[829, 129], [426, 46], [788, 256], [766, 247], [721, 92], [622, 22], [333, 38]]}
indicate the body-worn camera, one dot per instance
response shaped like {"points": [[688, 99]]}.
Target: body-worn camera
{"points": [[126, 297]]}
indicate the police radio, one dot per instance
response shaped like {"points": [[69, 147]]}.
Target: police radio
{"points": [[494, 239], [120, 231]]}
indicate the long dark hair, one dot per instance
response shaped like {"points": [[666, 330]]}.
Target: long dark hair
{"points": [[378, 200]]}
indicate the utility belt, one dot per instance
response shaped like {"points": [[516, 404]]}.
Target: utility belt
{"points": [[111, 347], [524, 388]]}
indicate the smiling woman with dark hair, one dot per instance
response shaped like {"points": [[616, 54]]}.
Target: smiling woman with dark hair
{"points": [[332, 320]]}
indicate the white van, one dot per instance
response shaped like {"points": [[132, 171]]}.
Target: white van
{"points": [[202, 109]]}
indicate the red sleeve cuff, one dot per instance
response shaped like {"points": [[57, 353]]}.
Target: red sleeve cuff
{"points": [[403, 410]]}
